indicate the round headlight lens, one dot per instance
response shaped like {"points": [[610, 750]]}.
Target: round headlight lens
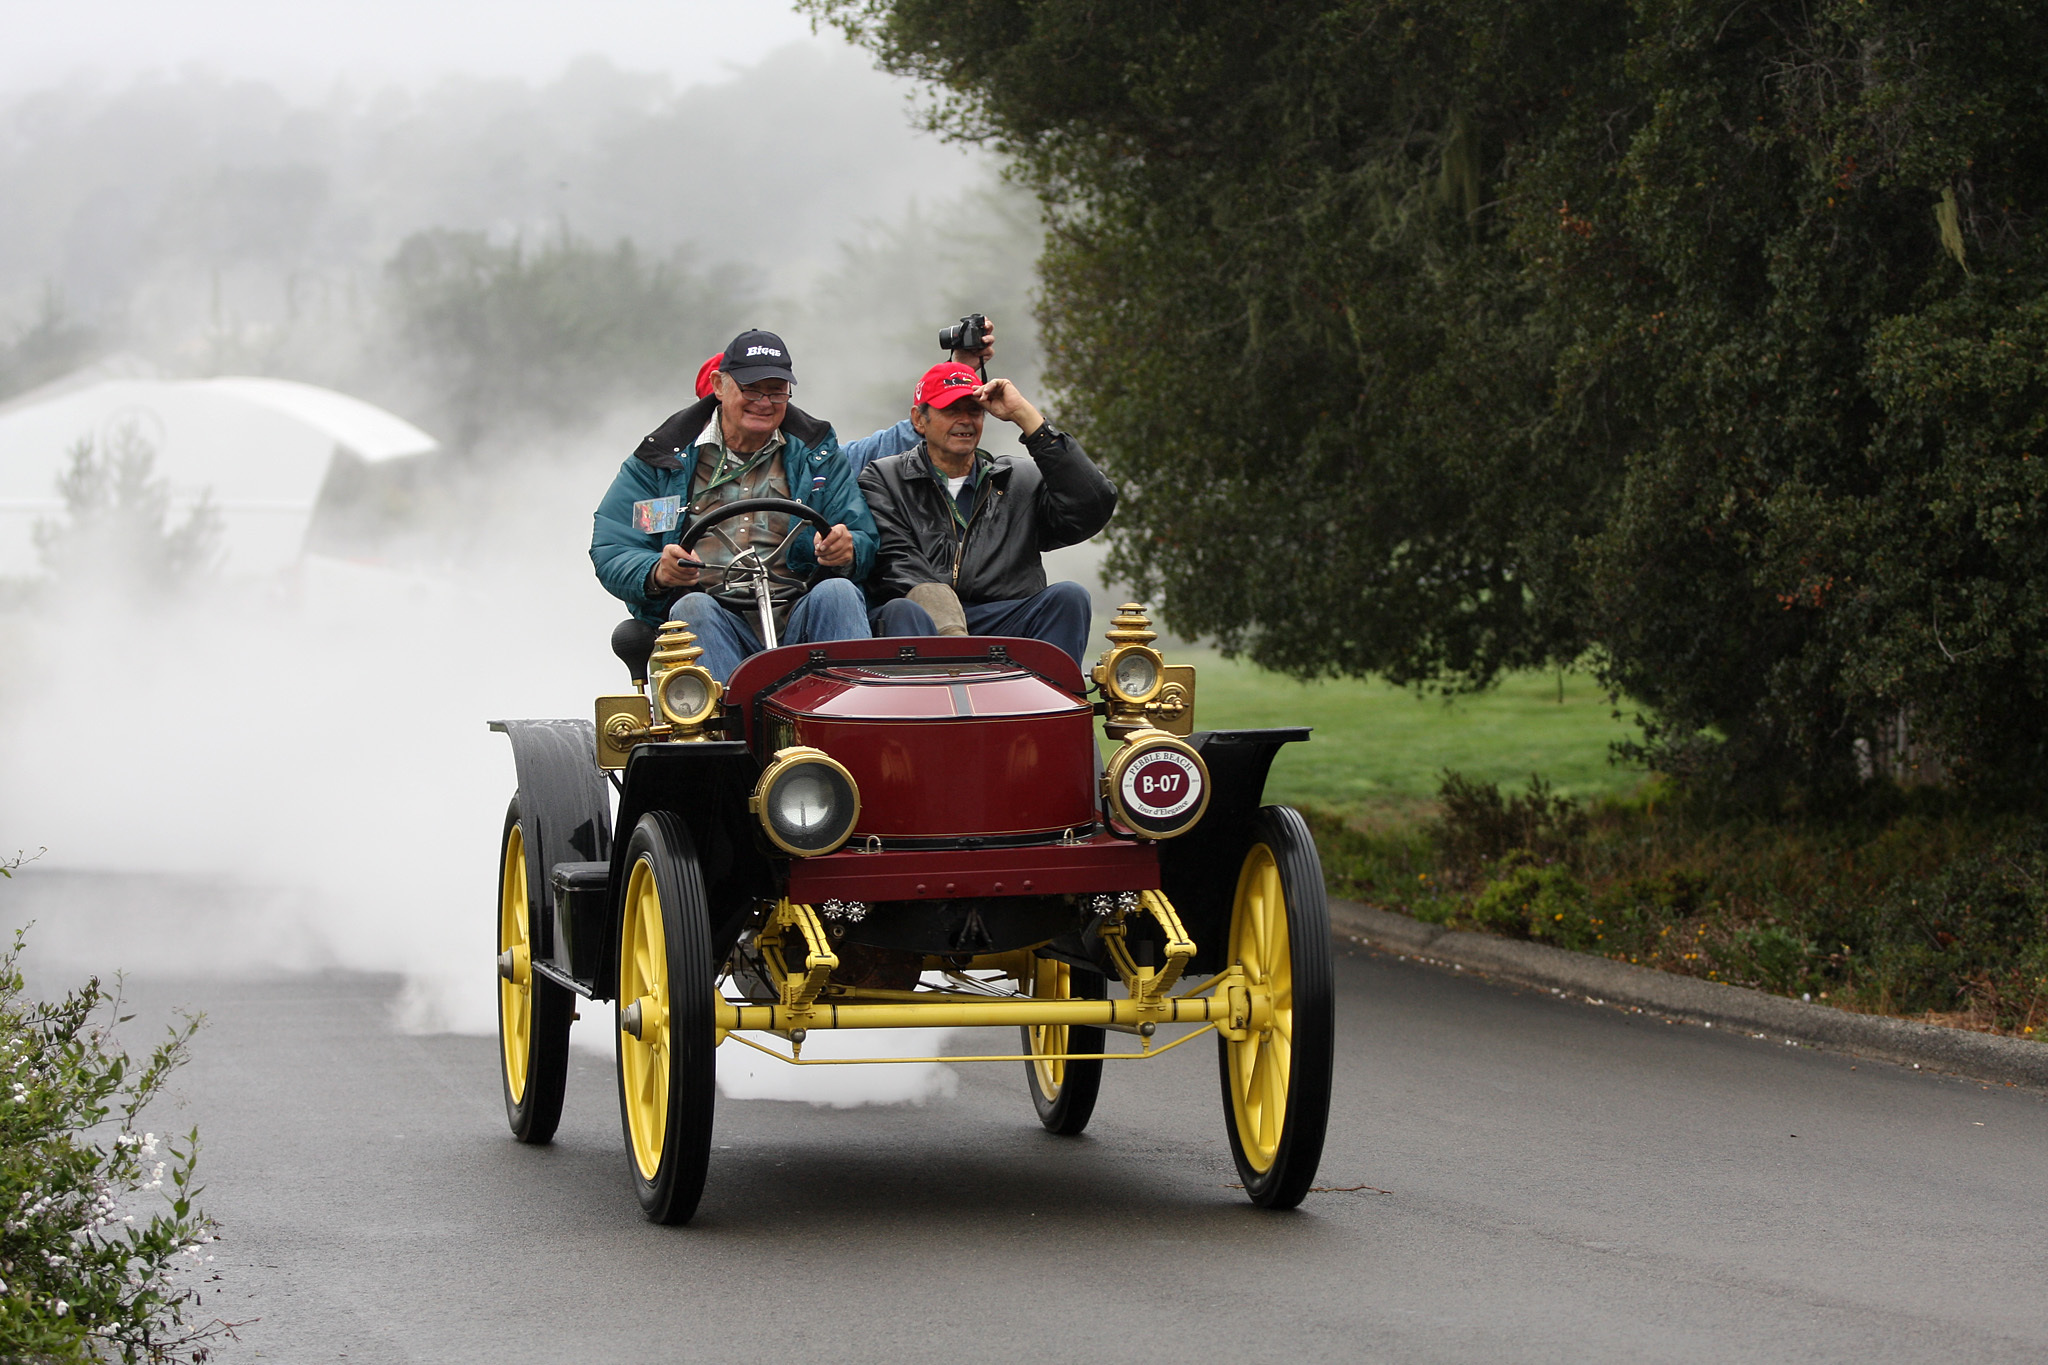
{"points": [[686, 694], [1136, 674], [807, 803], [804, 801]]}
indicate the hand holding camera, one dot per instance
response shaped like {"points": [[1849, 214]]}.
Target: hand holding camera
{"points": [[972, 340]]}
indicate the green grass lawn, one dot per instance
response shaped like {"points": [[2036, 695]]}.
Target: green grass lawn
{"points": [[1378, 749]]}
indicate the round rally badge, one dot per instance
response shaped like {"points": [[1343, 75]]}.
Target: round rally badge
{"points": [[1161, 785]]}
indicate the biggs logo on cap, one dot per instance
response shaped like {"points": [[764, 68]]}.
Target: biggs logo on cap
{"points": [[763, 350]]}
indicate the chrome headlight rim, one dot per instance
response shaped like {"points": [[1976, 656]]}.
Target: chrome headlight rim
{"points": [[687, 673], [779, 769], [1136, 809]]}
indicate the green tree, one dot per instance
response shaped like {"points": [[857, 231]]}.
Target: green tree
{"points": [[1436, 338], [512, 339], [1273, 308], [55, 343], [117, 529]]}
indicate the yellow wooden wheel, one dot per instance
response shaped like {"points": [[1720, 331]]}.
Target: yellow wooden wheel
{"points": [[643, 1028], [534, 1013], [515, 979], [1276, 1080], [1063, 1092], [666, 1019]]}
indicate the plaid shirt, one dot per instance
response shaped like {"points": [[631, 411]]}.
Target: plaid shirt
{"points": [[722, 476]]}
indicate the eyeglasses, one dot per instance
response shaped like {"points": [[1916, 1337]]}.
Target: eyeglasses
{"points": [[754, 394]]}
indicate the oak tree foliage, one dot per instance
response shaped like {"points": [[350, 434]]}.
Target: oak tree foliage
{"points": [[518, 339], [1432, 339]]}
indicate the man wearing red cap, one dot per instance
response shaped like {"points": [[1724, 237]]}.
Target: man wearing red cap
{"points": [[952, 516]]}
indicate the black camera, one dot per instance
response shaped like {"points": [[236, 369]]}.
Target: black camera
{"points": [[968, 334]]}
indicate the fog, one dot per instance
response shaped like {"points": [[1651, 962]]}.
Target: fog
{"points": [[261, 773], [307, 47]]}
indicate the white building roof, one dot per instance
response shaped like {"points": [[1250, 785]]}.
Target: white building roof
{"points": [[257, 449]]}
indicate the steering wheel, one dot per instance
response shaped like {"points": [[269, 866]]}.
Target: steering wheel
{"points": [[751, 567], [747, 561]]}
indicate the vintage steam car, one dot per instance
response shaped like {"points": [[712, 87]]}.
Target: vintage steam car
{"points": [[908, 833]]}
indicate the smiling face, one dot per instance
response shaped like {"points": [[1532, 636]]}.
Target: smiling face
{"points": [[951, 432], [749, 416]]}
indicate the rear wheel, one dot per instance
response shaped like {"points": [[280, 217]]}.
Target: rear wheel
{"points": [[1063, 1092], [534, 1013], [1276, 1082], [666, 1021]]}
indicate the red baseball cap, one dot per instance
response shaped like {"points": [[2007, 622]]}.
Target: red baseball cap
{"points": [[945, 384], [704, 373]]}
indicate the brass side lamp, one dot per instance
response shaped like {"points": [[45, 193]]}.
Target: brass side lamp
{"points": [[684, 694]]}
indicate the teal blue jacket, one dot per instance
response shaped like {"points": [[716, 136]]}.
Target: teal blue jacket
{"points": [[662, 466]]}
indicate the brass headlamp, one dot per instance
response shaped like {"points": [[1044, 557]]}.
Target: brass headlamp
{"points": [[685, 691], [685, 698], [806, 800], [1139, 690]]}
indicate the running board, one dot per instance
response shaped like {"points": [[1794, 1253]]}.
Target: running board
{"points": [[562, 978]]}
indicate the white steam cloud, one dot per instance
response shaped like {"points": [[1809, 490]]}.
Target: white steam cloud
{"points": [[299, 776]]}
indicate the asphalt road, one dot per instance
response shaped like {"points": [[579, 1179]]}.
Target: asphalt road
{"points": [[1510, 1177]]}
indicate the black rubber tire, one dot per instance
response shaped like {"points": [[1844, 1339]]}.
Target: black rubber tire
{"points": [[1067, 1112], [537, 1112], [670, 1195], [1306, 1114]]}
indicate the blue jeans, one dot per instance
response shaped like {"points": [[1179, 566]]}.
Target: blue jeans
{"points": [[1059, 615], [833, 609]]}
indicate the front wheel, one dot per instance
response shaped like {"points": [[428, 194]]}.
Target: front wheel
{"points": [[666, 1019], [1063, 1092], [534, 1013], [1276, 1081]]}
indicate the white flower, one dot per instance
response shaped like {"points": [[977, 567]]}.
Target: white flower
{"points": [[62, 1308]]}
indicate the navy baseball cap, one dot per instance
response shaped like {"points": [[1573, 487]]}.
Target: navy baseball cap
{"points": [[757, 355]]}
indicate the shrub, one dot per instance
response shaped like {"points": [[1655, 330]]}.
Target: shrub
{"points": [[1388, 864], [1970, 940], [1546, 903], [1769, 955], [84, 1274], [1479, 826]]}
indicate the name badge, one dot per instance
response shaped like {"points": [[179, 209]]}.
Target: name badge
{"points": [[657, 516]]}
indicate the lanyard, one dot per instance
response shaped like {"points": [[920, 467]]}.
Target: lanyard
{"points": [[972, 486], [720, 478]]}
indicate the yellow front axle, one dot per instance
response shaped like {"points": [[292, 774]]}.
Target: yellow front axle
{"points": [[798, 962], [1232, 1010]]}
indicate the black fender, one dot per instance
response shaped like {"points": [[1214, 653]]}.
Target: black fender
{"points": [[1198, 870], [706, 783], [567, 816]]}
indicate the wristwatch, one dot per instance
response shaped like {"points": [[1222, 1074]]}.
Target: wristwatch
{"points": [[1045, 434]]}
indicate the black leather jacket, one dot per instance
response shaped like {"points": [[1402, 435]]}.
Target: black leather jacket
{"points": [[1026, 505]]}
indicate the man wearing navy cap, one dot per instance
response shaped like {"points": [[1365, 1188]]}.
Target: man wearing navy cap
{"points": [[962, 530], [743, 441]]}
